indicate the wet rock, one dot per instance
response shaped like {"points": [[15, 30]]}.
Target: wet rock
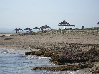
{"points": [[95, 70], [38, 53], [85, 57], [48, 54], [68, 66], [63, 53], [27, 53], [61, 68]]}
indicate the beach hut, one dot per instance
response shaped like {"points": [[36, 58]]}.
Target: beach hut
{"points": [[64, 23]]}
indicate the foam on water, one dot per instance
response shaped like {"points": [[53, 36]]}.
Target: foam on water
{"points": [[15, 62]]}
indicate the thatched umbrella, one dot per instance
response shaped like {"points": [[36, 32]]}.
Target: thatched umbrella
{"points": [[18, 30], [28, 29], [47, 26], [36, 28], [44, 27]]}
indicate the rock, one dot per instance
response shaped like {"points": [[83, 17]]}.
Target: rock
{"points": [[91, 55], [28, 53], [61, 68], [8, 38], [71, 53], [95, 70], [38, 53], [48, 54]]}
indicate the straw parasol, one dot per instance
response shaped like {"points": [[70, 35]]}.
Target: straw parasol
{"points": [[44, 27], [47, 26], [36, 28], [28, 29], [18, 30]]}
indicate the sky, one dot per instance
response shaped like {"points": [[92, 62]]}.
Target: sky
{"points": [[32, 13]]}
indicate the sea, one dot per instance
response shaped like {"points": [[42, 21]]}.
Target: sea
{"points": [[16, 62]]}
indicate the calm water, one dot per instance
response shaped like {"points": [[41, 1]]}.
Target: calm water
{"points": [[15, 62]]}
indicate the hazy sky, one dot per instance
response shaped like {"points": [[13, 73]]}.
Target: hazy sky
{"points": [[31, 13]]}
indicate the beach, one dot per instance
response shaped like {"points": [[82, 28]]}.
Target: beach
{"points": [[43, 39], [51, 42]]}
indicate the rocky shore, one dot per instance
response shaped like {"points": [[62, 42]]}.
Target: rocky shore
{"points": [[68, 51], [70, 57]]}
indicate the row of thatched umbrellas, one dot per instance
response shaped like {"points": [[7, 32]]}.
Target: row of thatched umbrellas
{"points": [[64, 23], [30, 30]]}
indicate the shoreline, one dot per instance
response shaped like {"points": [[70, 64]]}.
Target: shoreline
{"points": [[55, 43], [66, 71]]}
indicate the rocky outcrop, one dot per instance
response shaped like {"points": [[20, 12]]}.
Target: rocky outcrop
{"points": [[61, 68], [90, 56], [38, 53], [73, 66], [69, 53]]}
